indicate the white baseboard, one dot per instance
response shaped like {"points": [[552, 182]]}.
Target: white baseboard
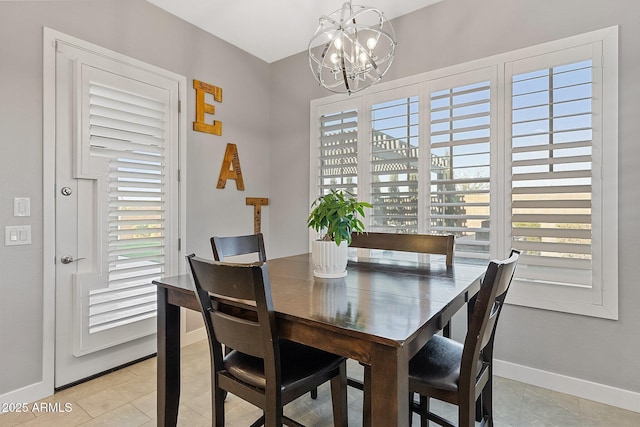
{"points": [[27, 394], [625, 399]]}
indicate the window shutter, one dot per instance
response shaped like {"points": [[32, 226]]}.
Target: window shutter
{"points": [[128, 130], [460, 130], [394, 166], [552, 173], [339, 151], [519, 150]]}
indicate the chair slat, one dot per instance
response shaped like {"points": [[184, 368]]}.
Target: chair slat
{"points": [[419, 243], [231, 246], [238, 333]]}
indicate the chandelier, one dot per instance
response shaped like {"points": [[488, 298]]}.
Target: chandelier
{"points": [[351, 49]]}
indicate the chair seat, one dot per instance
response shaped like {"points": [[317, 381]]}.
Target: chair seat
{"points": [[300, 361], [437, 364]]}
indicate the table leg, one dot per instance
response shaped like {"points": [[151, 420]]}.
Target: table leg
{"points": [[168, 364], [389, 387]]}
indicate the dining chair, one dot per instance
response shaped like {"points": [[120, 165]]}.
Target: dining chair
{"points": [[231, 246], [437, 244], [263, 369], [461, 374]]}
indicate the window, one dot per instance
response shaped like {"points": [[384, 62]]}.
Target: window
{"points": [[517, 150], [338, 159], [558, 188], [394, 166], [459, 161]]}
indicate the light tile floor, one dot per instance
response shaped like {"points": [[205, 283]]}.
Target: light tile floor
{"points": [[127, 398]]}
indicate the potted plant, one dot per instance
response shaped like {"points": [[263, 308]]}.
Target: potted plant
{"points": [[337, 215]]}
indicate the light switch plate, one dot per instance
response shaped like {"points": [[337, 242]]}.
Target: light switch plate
{"points": [[17, 235], [21, 206]]}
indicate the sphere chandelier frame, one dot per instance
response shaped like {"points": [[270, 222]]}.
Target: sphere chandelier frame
{"points": [[352, 48]]}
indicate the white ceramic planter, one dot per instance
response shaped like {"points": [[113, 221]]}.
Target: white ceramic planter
{"points": [[329, 259]]}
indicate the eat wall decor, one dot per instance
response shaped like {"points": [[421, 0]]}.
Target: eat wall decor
{"points": [[231, 163]]}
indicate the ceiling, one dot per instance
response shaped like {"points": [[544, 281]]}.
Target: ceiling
{"points": [[271, 29]]}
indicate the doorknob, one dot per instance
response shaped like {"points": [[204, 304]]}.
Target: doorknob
{"points": [[68, 259]]}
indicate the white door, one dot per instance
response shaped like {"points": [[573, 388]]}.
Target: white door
{"points": [[116, 209]]}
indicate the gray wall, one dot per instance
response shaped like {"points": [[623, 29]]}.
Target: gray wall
{"points": [[142, 31], [266, 112], [457, 31]]}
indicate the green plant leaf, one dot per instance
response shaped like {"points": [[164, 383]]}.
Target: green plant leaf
{"points": [[337, 214]]}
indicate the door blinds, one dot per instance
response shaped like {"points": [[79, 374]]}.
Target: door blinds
{"points": [[128, 130]]}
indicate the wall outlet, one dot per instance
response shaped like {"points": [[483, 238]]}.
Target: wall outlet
{"points": [[17, 235]]}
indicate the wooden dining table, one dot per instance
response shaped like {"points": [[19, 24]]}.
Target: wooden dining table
{"points": [[380, 314]]}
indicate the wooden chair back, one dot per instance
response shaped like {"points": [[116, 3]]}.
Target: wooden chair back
{"points": [[420, 243], [488, 302], [237, 285], [477, 353], [238, 245]]}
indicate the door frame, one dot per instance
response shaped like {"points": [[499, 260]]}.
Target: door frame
{"points": [[50, 39]]}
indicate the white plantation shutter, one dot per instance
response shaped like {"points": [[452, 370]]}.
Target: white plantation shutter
{"points": [[394, 166], [128, 130], [552, 165], [561, 110], [514, 151], [339, 151], [460, 144]]}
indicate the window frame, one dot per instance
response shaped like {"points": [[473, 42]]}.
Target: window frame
{"points": [[601, 300]]}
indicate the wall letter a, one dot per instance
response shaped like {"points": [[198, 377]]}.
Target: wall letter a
{"points": [[231, 168]]}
